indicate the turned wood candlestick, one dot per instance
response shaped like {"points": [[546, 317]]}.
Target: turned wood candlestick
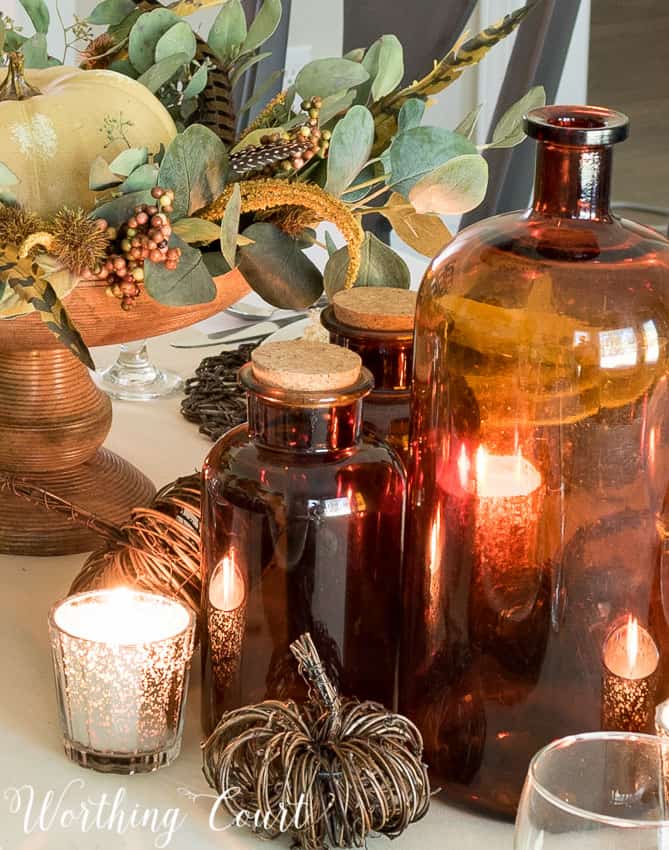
{"points": [[54, 419]]}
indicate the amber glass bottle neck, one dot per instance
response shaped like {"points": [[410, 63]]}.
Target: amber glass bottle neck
{"points": [[573, 181], [387, 354], [290, 428], [308, 422]]}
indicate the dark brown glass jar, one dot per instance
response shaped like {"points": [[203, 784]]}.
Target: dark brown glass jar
{"points": [[302, 532], [539, 462], [377, 323]]}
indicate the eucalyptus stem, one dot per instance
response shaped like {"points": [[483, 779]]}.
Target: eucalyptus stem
{"points": [[371, 182], [371, 197], [385, 208]]}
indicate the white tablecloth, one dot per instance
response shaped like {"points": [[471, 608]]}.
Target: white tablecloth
{"points": [[39, 788]]}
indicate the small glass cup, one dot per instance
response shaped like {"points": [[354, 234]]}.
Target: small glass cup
{"points": [[134, 377], [122, 664], [597, 791]]}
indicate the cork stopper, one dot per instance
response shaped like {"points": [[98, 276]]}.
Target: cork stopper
{"points": [[376, 308], [305, 366]]}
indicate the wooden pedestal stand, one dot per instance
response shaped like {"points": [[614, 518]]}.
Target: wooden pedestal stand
{"points": [[54, 419]]}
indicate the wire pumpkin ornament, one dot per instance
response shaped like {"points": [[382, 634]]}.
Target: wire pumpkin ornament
{"points": [[343, 768]]}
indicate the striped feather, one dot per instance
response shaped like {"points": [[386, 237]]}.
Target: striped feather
{"points": [[462, 55]]}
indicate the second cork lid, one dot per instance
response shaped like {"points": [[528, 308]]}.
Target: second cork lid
{"points": [[305, 366], [380, 308]]}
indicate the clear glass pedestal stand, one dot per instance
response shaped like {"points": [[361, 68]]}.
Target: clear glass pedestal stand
{"points": [[133, 377]]}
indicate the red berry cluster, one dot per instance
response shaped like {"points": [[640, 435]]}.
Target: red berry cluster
{"points": [[144, 236]]}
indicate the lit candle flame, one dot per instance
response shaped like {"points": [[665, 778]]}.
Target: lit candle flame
{"points": [[464, 466], [632, 641], [505, 476], [227, 588], [435, 560]]}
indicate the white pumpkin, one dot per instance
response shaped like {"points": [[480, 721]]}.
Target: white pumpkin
{"points": [[49, 140]]}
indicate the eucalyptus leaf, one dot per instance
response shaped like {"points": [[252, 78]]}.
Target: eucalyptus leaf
{"points": [[3, 31], [228, 32], [38, 12], [325, 77], [379, 266], [509, 129], [128, 160], [188, 7], [468, 124], [14, 40], [190, 283], [35, 51], [111, 12], [416, 152], [197, 231], [411, 114], [215, 262], [7, 176], [306, 239], [159, 155], [241, 69], [178, 39], [121, 31], [356, 55], [144, 177], [425, 233], [334, 274], [195, 165], [278, 270], [253, 138], [350, 147], [162, 71], [330, 244], [334, 104], [125, 67], [100, 176], [120, 209], [259, 95], [197, 83], [353, 195], [149, 28], [384, 62], [263, 25], [457, 186], [188, 108], [230, 226]]}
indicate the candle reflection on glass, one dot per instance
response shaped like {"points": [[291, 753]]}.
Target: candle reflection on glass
{"points": [[122, 661], [509, 498], [630, 661], [226, 618]]}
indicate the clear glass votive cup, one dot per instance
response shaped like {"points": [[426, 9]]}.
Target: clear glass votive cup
{"points": [[596, 791], [122, 664]]}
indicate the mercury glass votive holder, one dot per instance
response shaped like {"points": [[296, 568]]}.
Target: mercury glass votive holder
{"points": [[122, 664]]}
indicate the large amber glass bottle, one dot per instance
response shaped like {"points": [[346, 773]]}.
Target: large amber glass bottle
{"points": [[540, 460], [302, 532]]}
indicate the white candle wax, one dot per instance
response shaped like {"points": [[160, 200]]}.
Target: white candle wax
{"points": [[121, 662]]}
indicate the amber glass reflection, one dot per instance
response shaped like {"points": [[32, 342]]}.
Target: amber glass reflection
{"points": [[302, 532], [389, 357], [540, 459]]}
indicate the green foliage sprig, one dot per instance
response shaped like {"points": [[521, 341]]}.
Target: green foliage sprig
{"points": [[366, 147]]}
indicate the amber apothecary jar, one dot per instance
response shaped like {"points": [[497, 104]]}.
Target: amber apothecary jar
{"points": [[539, 463], [302, 531], [377, 323]]}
